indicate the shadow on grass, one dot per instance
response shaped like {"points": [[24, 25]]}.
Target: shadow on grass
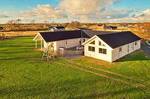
{"points": [[108, 93], [135, 56], [19, 58], [67, 87]]}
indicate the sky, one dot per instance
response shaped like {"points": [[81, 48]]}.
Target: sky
{"points": [[40, 11]]}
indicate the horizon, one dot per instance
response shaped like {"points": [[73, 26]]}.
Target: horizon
{"points": [[66, 11]]}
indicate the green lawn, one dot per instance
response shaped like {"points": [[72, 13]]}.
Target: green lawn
{"points": [[24, 76]]}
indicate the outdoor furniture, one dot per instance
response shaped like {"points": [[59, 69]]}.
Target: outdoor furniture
{"points": [[48, 53], [148, 43], [45, 55]]}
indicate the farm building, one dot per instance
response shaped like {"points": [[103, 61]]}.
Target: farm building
{"points": [[56, 28], [104, 45]]}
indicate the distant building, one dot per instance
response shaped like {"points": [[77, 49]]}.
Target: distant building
{"points": [[110, 27], [57, 28], [97, 27]]}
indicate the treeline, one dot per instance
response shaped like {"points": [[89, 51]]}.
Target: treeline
{"points": [[24, 27]]}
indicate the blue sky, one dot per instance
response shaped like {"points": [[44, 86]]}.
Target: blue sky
{"points": [[26, 4], [16, 6], [133, 4]]}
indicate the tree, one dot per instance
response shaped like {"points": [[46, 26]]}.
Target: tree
{"points": [[2, 34], [18, 21], [1, 28]]}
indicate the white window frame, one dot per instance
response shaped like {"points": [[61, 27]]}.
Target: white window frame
{"points": [[91, 48]]}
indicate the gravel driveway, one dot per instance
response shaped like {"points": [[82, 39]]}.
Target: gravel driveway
{"points": [[146, 48]]}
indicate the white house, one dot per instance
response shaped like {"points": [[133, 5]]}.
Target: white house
{"points": [[111, 47], [108, 46], [60, 39]]}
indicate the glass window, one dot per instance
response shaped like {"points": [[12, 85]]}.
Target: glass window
{"points": [[128, 48], [132, 46], [90, 48], [80, 42], [103, 51], [120, 49], [100, 50], [100, 43], [92, 42], [83, 40], [135, 43]]}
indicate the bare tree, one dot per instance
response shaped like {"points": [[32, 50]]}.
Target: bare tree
{"points": [[2, 34], [32, 21], [18, 21], [11, 22], [1, 28]]}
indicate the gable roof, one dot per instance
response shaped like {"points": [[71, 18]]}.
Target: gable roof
{"points": [[60, 35], [58, 27], [115, 40], [93, 38], [91, 33]]}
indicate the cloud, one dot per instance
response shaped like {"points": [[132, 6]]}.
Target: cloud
{"points": [[79, 7], [4, 16], [134, 16], [144, 15], [41, 13], [80, 10], [84, 10], [116, 13]]}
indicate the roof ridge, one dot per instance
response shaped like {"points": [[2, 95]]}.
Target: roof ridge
{"points": [[116, 33], [59, 31]]}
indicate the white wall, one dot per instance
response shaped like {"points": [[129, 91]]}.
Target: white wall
{"points": [[65, 43], [112, 54], [68, 43], [47, 44], [126, 49], [96, 54]]}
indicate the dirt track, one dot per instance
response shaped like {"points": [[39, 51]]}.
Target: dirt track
{"points": [[20, 33], [108, 75]]}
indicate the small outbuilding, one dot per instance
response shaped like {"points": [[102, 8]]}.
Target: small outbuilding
{"points": [[56, 28]]}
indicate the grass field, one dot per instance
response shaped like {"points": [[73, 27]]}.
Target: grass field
{"points": [[24, 76]]}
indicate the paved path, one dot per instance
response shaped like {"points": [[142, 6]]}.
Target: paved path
{"points": [[146, 48]]}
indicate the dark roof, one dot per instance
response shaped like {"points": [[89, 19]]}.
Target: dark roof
{"points": [[115, 40], [60, 35], [111, 27], [63, 35], [91, 33], [58, 27]]}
